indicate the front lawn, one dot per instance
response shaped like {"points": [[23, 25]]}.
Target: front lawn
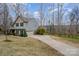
{"points": [[22, 46]]}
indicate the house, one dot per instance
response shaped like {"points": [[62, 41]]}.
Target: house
{"points": [[22, 25]]}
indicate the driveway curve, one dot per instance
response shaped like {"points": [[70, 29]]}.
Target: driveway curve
{"points": [[64, 48]]}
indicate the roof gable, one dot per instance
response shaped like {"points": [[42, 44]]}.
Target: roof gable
{"points": [[21, 19]]}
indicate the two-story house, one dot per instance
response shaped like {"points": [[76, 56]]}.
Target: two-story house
{"points": [[22, 24]]}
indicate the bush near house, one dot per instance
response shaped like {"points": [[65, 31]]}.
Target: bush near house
{"points": [[40, 31], [23, 34], [1, 31], [7, 40]]}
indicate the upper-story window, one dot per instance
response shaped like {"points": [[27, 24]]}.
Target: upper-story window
{"points": [[17, 24], [21, 24]]}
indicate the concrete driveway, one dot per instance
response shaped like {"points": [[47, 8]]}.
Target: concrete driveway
{"points": [[64, 48]]}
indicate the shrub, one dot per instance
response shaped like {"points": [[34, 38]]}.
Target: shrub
{"points": [[7, 41], [23, 34], [40, 31]]}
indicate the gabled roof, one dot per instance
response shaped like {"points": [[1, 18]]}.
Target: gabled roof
{"points": [[25, 20]]}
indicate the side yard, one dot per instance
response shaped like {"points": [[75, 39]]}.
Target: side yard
{"points": [[22, 46]]}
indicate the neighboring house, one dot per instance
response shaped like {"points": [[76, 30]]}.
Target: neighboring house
{"points": [[22, 24]]}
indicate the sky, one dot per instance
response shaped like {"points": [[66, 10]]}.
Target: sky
{"points": [[33, 10]]}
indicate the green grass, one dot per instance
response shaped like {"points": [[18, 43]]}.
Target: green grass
{"points": [[74, 38], [24, 46]]}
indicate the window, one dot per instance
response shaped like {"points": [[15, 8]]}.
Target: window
{"points": [[21, 24], [17, 24]]}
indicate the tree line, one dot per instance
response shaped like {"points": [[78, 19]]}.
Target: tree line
{"points": [[57, 23]]}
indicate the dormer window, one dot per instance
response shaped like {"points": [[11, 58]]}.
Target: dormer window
{"points": [[21, 24], [17, 24]]}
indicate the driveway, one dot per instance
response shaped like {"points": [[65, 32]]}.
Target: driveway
{"points": [[64, 48], [29, 33]]}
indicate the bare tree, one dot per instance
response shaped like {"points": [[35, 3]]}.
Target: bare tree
{"points": [[53, 29], [74, 20], [41, 14], [17, 9], [5, 20], [59, 18]]}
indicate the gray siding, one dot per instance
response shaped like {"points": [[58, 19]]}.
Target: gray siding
{"points": [[31, 26]]}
